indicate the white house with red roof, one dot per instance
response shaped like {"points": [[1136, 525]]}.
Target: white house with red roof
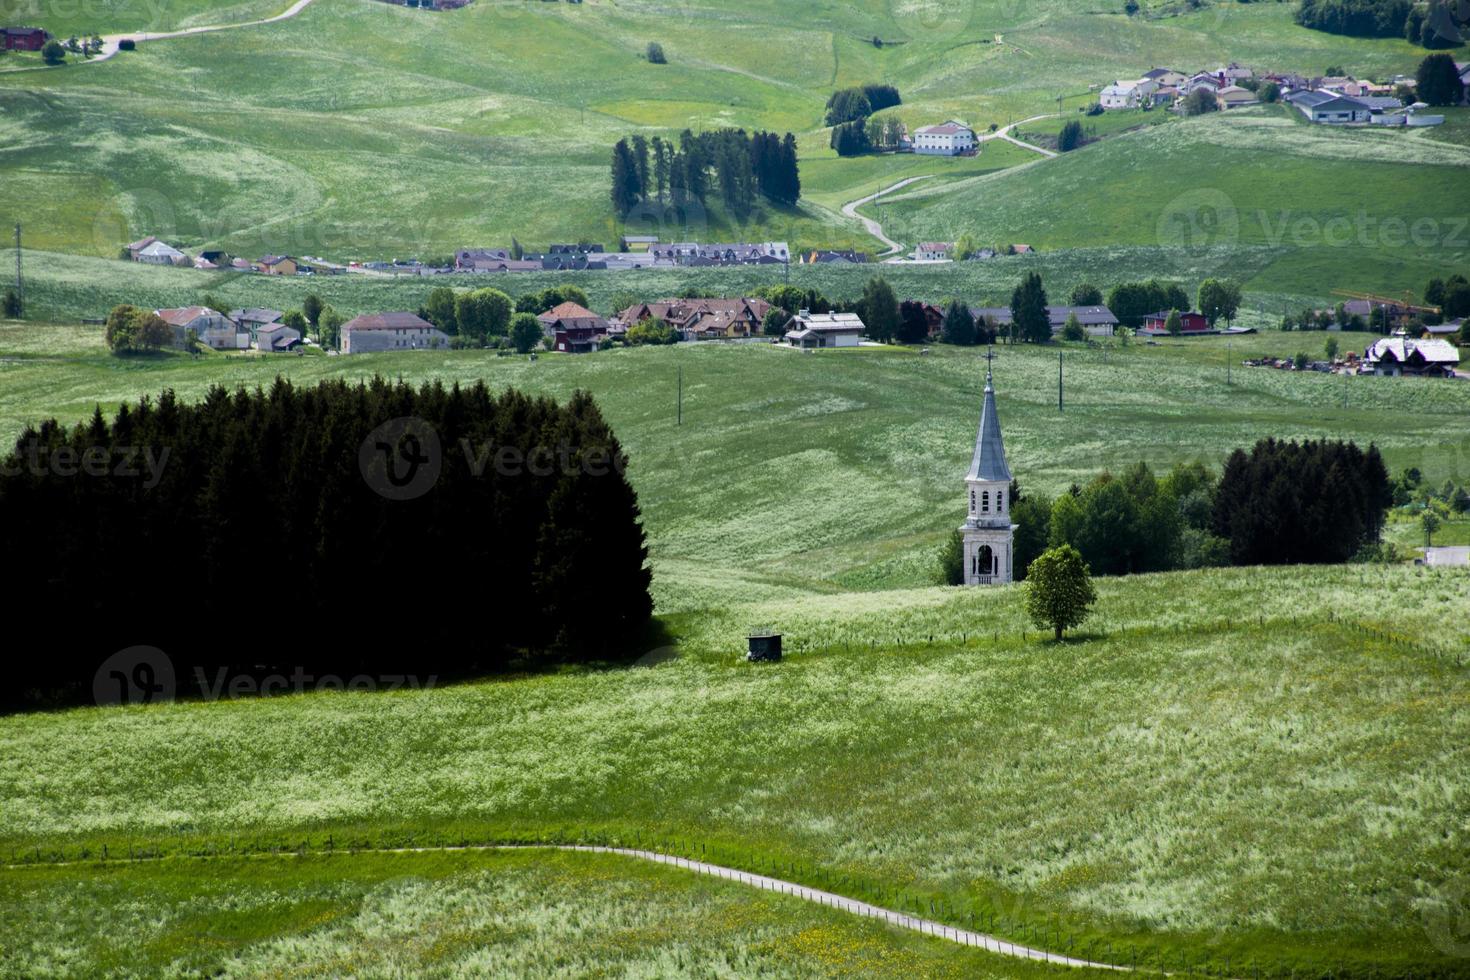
{"points": [[947, 139]]}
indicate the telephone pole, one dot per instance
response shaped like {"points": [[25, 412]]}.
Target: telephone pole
{"points": [[1059, 382], [679, 419], [20, 284]]}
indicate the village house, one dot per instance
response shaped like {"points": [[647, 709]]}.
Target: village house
{"points": [[211, 327], [1165, 77], [161, 253], [1128, 94], [276, 338], [1402, 355], [253, 319], [390, 331], [702, 319], [1189, 322], [136, 248], [740, 253], [573, 329], [809, 330], [933, 251], [24, 38], [277, 265], [1233, 97], [948, 139]]}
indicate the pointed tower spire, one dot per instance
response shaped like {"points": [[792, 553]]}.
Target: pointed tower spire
{"points": [[989, 461]]}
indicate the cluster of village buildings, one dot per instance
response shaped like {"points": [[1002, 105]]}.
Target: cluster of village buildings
{"points": [[573, 329], [1335, 100]]}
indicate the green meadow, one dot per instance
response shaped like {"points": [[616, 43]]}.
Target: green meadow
{"points": [[741, 495], [366, 130]]}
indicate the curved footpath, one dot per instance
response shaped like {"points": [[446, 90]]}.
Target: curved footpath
{"points": [[902, 920], [875, 229]]}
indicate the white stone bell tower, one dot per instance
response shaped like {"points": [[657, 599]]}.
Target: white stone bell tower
{"points": [[988, 529]]}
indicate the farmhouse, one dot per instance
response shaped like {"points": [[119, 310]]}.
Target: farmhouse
{"points": [[252, 320], [1129, 94], [276, 337], [703, 319], [1400, 354], [161, 253], [136, 248], [837, 257], [813, 330], [390, 331], [572, 328], [1189, 322], [277, 265], [24, 38], [1098, 321], [988, 531], [212, 327], [946, 139], [933, 251]]}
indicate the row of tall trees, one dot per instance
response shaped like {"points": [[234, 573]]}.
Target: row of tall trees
{"points": [[1358, 18], [737, 166], [305, 527], [1281, 503]]}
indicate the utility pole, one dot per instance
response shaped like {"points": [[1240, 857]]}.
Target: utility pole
{"points": [[1059, 382], [679, 419], [20, 284], [1228, 358]]}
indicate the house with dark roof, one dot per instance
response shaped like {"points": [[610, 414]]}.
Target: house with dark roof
{"points": [[1339, 110], [946, 139], [277, 265], [253, 319], [703, 319], [1189, 322], [572, 328], [277, 338], [373, 332]]}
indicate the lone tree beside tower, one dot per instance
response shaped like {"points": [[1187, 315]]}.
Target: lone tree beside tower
{"points": [[1059, 592]]}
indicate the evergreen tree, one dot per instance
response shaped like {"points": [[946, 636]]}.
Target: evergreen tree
{"points": [[879, 310], [1028, 310], [959, 324], [625, 187], [1439, 80]]}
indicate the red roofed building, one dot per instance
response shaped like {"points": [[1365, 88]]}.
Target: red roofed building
{"points": [[572, 328], [24, 38], [212, 327], [1188, 322]]}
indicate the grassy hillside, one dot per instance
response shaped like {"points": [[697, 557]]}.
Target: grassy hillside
{"points": [[1247, 775], [741, 498], [376, 130], [1257, 176]]}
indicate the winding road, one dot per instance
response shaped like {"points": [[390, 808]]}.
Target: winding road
{"points": [[875, 229]]}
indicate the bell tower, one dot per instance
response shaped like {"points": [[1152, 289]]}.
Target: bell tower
{"points": [[988, 530]]}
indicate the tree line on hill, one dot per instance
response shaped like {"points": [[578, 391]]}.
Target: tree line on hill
{"points": [[737, 166], [314, 528], [1431, 24], [1281, 503], [853, 131]]}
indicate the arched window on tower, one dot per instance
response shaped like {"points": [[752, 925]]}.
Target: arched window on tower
{"points": [[972, 501]]}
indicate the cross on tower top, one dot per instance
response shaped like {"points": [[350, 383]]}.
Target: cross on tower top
{"points": [[989, 357]]}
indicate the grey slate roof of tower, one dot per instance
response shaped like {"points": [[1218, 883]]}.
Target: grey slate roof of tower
{"points": [[989, 462]]}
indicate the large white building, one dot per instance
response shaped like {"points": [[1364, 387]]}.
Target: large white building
{"points": [[947, 139], [988, 531], [1128, 94], [808, 330]]}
